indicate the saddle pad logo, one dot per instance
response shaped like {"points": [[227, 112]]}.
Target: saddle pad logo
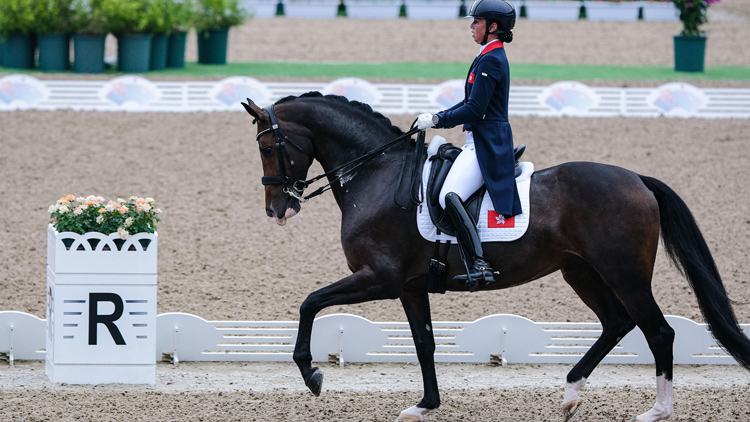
{"points": [[498, 221]]}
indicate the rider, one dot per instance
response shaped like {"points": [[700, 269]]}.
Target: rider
{"points": [[488, 153]]}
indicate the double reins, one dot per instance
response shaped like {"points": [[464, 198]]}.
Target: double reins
{"points": [[294, 186]]}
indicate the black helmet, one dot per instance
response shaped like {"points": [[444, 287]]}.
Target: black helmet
{"points": [[499, 11]]}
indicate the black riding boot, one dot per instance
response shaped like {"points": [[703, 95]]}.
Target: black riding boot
{"points": [[480, 272]]}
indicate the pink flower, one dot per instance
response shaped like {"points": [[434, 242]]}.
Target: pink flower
{"points": [[123, 210], [78, 211]]}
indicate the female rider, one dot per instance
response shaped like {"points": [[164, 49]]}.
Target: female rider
{"points": [[487, 158]]}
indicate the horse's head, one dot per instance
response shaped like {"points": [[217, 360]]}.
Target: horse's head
{"points": [[285, 152]]}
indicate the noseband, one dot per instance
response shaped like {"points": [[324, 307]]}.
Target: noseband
{"points": [[293, 185]]}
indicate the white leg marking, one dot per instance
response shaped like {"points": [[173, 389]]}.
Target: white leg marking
{"points": [[414, 414], [571, 390], [664, 401]]}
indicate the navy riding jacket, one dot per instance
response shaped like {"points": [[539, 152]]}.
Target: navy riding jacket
{"points": [[484, 111]]}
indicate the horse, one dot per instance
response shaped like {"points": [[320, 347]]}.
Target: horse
{"points": [[598, 224]]}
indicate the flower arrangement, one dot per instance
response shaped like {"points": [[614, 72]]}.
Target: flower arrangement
{"points": [[214, 14], [693, 15], [91, 214]]}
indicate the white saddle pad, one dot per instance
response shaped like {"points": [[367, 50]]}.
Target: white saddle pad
{"points": [[492, 227]]}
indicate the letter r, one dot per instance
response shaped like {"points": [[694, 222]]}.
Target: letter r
{"points": [[107, 320]]}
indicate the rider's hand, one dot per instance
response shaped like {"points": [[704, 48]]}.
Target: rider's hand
{"points": [[424, 121]]}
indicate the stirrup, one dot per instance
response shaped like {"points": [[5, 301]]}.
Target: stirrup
{"points": [[480, 274]]}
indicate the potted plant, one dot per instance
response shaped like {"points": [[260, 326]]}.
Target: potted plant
{"points": [[89, 26], [552, 10], [161, 24], [690, 45], [612, 10], [129, 21], [101, 252], [17, 28], [212, 23], [183, 15], [53, 27]]}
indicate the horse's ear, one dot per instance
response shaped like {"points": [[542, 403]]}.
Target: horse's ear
{"points": [[253, 109]]}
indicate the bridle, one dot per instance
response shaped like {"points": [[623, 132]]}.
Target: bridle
{"points": [[293, 185]]}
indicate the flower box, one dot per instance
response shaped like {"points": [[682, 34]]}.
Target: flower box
{"points": [[101, 291], [432, 9], [659, 11], [373, 9], [562, 10], [101, 308], [260, 8], [311, 9], [623, 11]]}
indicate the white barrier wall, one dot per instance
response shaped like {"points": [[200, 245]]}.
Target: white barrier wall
{"points": [[349, 338], [134, 93]]}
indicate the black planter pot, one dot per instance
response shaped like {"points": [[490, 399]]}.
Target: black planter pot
{"points": [[212, 46], [159, 44], [54, 52], [133, 52], [689, 53], [18, 51], [88, 52], [176, 49]]}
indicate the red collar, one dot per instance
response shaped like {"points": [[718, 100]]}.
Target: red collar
{"points": [[492, 46]]}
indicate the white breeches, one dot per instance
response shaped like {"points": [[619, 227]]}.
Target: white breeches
{"points": [[464, 177]]}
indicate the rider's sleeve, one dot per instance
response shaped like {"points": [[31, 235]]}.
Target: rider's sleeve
{"points": [[485, 80]]}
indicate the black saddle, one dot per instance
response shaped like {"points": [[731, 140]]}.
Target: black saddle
{"points": [[441, 165]]}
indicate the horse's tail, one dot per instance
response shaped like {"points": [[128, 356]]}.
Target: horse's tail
{"points": [[689, 252]]}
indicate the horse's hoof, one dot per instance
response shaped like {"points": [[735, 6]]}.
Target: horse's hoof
{"points": [[408, 418], [315, 383], [570, 408]]}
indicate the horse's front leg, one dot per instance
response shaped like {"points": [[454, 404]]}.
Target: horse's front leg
{"points": [[361, 286], [417, 307]]}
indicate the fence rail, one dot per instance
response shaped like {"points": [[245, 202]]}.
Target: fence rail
{"points": [[349, 338], [135, 93]]}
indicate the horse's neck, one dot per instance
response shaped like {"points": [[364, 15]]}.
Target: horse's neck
{"points": [[341, 147]]}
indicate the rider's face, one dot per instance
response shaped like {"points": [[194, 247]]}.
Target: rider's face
{"points": [[478, 28]]}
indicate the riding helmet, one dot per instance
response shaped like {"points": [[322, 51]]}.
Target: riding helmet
{"points": [[499, 11]]}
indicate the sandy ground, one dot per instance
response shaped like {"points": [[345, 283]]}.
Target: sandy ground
{"points": [[222, 258]]}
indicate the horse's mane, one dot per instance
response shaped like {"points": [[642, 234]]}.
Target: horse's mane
{"points": [[354, 105]]}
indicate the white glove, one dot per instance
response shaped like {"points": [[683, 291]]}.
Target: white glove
{"points": [[424, 121]]}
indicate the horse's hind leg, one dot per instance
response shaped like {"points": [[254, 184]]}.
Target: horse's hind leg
{"points": [[615, 325]]}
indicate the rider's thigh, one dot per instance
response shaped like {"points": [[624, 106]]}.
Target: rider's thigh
{"points": [[464, 177]]}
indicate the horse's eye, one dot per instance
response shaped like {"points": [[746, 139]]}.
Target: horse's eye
{"points": [[266, 151]]}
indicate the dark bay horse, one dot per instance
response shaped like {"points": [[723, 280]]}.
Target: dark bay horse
{"points": [[597, 223]]}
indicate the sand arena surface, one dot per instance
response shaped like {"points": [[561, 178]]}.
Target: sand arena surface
{"points": [[221, 258]]}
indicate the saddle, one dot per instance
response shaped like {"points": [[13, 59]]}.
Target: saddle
{"points": [[442, 161]]}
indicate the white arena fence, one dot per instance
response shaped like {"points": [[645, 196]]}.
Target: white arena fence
{"points": [[567, 98], [343, 338]]}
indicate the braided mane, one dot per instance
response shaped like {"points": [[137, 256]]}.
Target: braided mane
{"points": [[354, 105]]}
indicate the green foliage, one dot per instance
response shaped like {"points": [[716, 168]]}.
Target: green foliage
{"points": [[17, 16], [53, 16], [167, 16], [90, 214], [127, 16], [87, 18], [214, 14], [693, 15]]}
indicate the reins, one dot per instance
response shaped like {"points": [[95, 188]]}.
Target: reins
{"points": [[295, 187]]}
